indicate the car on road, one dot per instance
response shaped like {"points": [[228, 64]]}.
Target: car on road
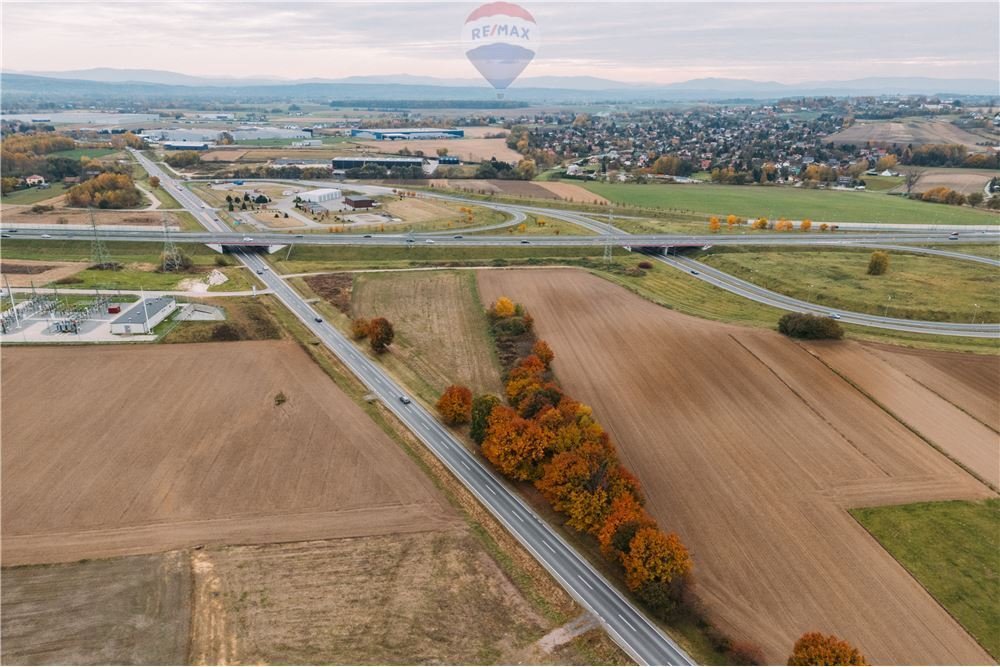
{"points": [[298, 236], [953, 236], [46, 236], [525, 241], [429, 241], [318, 319], [248, 238], [834, 316], [12, 231], [694, 273], [260, 272], [457, 236], [4, 236], [409, 240], [367, 236], [405, 400]]}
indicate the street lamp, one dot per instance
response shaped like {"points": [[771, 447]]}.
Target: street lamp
{"points": [[885, 313]]}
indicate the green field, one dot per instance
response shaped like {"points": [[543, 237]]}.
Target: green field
{"points": [[917, 287], [77, 153], [953, 550], [793, 203], [33, 195]]}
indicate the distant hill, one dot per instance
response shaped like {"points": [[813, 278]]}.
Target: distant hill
{"points": [[111, 83]]}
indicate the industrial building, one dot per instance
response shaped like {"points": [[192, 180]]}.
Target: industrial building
{"points": [[387, 162], [144, 316], [359, 202], [404, 133], [320, 195], [449, 159], [187, 145]]}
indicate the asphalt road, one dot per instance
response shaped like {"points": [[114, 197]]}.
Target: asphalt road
{"points": [[636, 634]]}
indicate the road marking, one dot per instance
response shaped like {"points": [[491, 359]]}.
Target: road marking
{"points": [[490, 489], [520, 518], [627, 623], [466, 466], [585, 582], [546, 542]]}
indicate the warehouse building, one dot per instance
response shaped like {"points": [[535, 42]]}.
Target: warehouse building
{"points": [[359, 202], [320, 195], [144, 316], [387, 162], [404, 133], [187, 145]]}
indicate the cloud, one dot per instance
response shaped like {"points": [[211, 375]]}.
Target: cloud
{"points": [[652, 41]]}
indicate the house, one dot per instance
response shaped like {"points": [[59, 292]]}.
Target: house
{"points": [[33, 180], [359, 202]]}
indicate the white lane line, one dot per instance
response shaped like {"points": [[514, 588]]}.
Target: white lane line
{"points": [[627, 623], [466, 466], [586, 583], [520, 518], [546, 543], [490, 489]]}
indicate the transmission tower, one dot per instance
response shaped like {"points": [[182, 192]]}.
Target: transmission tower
{"points": [[99, 254], [172, 259]]}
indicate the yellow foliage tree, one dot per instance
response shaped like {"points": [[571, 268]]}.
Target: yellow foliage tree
{"points": [[806, 225]]}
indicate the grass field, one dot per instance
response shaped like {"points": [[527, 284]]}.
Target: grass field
{"points": [[77, 153], [953, 549], [916, 287], [33, 195], [792, 203], [442, 336]]}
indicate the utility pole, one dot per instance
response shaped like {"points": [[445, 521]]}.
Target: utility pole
{"points": [[172, 259], [99, 254]]}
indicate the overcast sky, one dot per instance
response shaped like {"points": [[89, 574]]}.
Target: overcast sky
{"points": [[656, 42]]}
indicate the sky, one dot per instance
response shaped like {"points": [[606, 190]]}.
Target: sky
{"points": [[648, 42]]}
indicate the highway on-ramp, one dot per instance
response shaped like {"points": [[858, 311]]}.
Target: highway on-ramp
{"points": [[631, 629]]}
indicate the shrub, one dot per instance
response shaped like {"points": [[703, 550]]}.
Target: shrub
{"points": [[380, 334], [225, 332], [220, 260], [746, 653], [815, 648], [280, 398], [634, 272], [810, 327], [359, 328], [878, 263], [645, 265]]}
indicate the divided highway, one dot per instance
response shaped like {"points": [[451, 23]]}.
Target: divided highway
{"points": [[635, 633]]}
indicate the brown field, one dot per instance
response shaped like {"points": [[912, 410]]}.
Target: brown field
{"points": [[222, 155], [529, 189], [943, 423], [908, 131], [964, 181], [468, 149], [970, 382], [122, 611], [752, 450], [415, 210], [65, 216], [24, 272], [441, 331], [144, 449]]}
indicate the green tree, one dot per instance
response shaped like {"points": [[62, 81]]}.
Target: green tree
{"points": [[482, 406]]}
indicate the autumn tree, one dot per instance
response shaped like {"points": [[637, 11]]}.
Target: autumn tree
{"points": [[654, 556], [887, 162], [503, 307], [713, 224], [455, 405], [732, 220], [482, 406], [105, 191], [624, 519], [815, 648], [514, 445], [542, 350], [878, 263], [806, 225], [154, 182], [380, 334], [760, 223], [359, 328]]}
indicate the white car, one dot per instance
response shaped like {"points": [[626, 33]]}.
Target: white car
{"points": [[248, 238], [46, 236], [429, 241]]}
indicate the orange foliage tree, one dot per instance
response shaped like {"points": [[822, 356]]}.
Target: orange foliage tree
{"points": [[503, 307], [654, 557], [513, 444], [455, 405], [713, 224], [380, 334], [544, 353], [625, 518], [815, 648], [359, 328], [806, 225]]}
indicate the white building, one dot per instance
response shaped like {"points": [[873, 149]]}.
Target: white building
{"points": [[144, 316], [320, 195], [307, 142]]}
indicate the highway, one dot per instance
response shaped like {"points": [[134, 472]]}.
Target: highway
{"points": [[635, 633]]}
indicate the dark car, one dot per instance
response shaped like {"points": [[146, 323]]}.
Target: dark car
{"points": [[318, 319], [367, 236], [525, 241]]}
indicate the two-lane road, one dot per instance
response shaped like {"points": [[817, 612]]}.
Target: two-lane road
{"points": [[632, 630]]}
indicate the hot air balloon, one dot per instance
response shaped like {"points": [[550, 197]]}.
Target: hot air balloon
{"points": [[500, 40]]}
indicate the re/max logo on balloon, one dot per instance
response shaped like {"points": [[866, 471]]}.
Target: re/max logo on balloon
{"points": [[500, 30]]}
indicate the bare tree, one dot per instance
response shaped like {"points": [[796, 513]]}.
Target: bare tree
{"points": [[910, 179]]}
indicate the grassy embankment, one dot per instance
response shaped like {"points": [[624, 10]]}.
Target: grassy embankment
{"points": [[139, 262], [917, 287], [953, 549], [792, 203]]}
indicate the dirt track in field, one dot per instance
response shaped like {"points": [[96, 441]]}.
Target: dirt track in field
{"points": [[126, 450], [752, 449], [25, 272]]}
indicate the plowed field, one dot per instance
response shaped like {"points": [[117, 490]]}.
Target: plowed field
{"points": [[752, 449]]}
